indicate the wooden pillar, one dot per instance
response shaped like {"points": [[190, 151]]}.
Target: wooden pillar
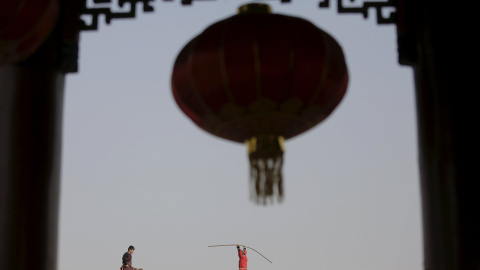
{"points": [[441, 42], [31, 103], [31, 99]]}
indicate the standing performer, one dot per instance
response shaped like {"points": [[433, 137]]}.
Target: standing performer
{"points": [[242, 256], [127, 260]]}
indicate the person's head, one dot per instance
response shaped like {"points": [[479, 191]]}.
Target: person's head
{"points": [[131, 249]]}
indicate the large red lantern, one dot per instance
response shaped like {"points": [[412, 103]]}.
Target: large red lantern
{"points": [[24, 26], [260, 78]]}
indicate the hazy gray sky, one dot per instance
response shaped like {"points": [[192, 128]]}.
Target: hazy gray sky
{"points": [[136, 171]]}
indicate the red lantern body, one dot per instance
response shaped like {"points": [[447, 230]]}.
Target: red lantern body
{"points": [[24, 26], [258, 75]]}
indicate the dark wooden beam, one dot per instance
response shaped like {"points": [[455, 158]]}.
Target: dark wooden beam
{"points": [[441, 42], [31, 104]]}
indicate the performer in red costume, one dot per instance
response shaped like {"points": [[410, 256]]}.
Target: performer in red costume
{"points": [[242, 256]]}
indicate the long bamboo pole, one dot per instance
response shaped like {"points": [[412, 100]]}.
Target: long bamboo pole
{"points": [[244, 246]]}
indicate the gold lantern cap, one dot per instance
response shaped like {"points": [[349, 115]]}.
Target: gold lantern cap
{"points": [[254, 8]]}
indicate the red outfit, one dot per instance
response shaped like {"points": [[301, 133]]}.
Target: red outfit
{"points": [[242, 263]]}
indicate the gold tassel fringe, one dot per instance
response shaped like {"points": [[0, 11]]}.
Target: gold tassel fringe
{"points": [[266, 159]]}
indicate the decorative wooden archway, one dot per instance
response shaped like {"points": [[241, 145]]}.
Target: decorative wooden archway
{"points": [[445, 65]]}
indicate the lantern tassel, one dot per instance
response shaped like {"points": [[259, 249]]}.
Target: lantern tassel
{"points": [[266, 160]]}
